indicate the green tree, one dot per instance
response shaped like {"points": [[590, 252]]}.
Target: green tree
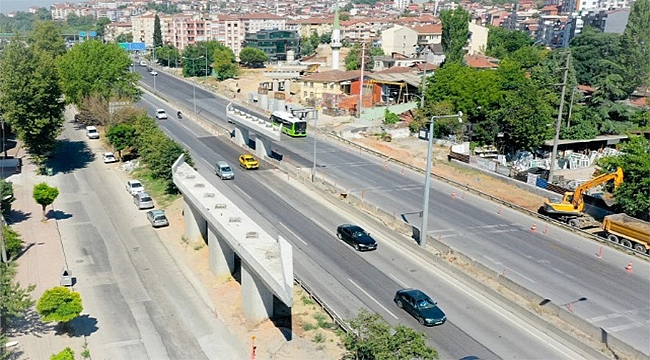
{"points": [[121, 136], [45, 195], [250, 56], [503, 42], [635, 46], [6, 196], [583, 124], [100, 26], [634, 194], [168, 55], [225, 64], [306, 47], [353, 59], [94, 68], [123, 38], [373, 338], [326, 38], [157, 33], [65, 354], [588, 51], [14, 299], [47, 37], [455, 33], [314, 39], [13, 242], [390, 117], [59, 304], [30, 97]]}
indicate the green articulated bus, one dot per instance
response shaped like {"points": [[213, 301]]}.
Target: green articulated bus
{"points": [[291, 125]]}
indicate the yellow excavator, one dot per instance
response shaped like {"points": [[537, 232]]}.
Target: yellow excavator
{"points": [[569, 208]]}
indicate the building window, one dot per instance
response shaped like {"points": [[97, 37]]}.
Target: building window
{"points": [[311, 84], [305, 94]]}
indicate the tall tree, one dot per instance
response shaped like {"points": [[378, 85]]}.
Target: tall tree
{"points": [[588, 51], [634, 194], [14, 299], [635, 45], [252, 57], [47, 37], [225, 65], [94, 68], [30, 96], [455, 33], [100, 26], [503, 42], [157, 33]]}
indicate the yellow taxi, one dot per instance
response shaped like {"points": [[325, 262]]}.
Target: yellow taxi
{"points": [[247, 161]]}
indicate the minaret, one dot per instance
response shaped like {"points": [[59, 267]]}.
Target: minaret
{"points": [[336, 40]]}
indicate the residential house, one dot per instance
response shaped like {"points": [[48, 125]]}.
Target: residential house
{"points": [[479, 61], [328, 87], [399, 39], [429, 34]]}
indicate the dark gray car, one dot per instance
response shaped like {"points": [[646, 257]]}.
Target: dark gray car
{"points": [[356, 236], [420, 305]]}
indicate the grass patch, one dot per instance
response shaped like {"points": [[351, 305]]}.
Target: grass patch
{"points": [[308, 327], [318, 338], [307, 300], [155, 187], [322, 321], [199, 246]]}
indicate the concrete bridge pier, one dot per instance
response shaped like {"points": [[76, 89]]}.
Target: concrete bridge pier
{"points": [[257, 299], [196, 227], [222, 257], [241, 136], [263, 148]]}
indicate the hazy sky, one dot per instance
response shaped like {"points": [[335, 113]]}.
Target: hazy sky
{"points": [[22, 5]]}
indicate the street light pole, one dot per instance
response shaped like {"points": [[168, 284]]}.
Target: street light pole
{"points": [[313, 170], [194, 82], [424, 79], [363, 63], [558, 123], [427, 176]]}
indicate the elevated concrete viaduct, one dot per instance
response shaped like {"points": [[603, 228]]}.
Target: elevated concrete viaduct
{"points": [[266, 263], [246, 123]]}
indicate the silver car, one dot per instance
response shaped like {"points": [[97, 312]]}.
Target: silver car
{"points": [[134, 187], [157, 218], [142, 200]]}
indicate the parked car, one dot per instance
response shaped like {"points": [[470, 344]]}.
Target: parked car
{"points": [[143, 200], [161, 114], [223, 170], [356, 236], [247, 161], [134, 187], [153, 72], [157, 218], [92, 132], [109, 157], [420, 306], [143, 63]]}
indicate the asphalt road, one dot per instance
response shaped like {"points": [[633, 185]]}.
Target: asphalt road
{"points": [[347, 280], [560, 266], [138, 301]]}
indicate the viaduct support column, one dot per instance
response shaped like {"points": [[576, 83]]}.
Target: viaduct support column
{"points": [[257, 300], [263, 148], [241, 136], [195, 224], [222, 258]]}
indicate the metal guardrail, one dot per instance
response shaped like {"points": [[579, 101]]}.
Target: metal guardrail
{"points": [[337, 319]]}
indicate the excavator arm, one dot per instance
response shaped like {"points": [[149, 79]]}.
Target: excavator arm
{"points": [[578, 193]]}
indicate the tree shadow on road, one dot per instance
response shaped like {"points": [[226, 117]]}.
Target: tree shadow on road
{"points": [[83, 325], [30, 324], [69, 156], [57, 215]]}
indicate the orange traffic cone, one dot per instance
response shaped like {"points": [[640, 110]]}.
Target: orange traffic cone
{"points": [[628, 268], [533, 227]]}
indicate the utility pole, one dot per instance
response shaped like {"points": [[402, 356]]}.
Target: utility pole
{"points": [[558, 123], [363, 63], [568, 119], [424, 78]]}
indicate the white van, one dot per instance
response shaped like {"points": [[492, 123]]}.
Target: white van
{"points": [[223, 170], [92, 132]]}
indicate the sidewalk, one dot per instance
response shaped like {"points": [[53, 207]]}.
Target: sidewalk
{"points": [[41, 264]]}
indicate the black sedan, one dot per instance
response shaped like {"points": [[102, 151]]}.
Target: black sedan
{"points": [[356, 236], [420, 305]]}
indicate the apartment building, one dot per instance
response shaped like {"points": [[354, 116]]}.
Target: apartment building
{"points": [[113, 30], [188, 30], [229, 31], [312, 25], [253, 23], [399, 39], [143, 26], [429, 34]]}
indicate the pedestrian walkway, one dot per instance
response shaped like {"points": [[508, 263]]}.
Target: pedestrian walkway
{"points": [[40, 264]]}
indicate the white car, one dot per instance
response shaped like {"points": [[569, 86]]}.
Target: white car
{"points": [[161, 114], [143, 63], [134, 187], [154, 72], [92, 132], [109, 157]]}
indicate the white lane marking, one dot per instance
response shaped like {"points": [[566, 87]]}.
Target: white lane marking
{"points": [[292, 233], [320, 225], [402, 284], [243, 192], [625, 327], [207, 163], [373, 299], [605, 317]]}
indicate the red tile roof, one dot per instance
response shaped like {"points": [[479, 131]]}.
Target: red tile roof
{"points": [[395, 70], [332, 76], [480, 62], [429, 29]]}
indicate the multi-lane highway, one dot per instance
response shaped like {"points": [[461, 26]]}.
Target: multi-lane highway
{"points": [[560, 265], [347, 280]]}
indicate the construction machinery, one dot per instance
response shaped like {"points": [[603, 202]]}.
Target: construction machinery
{"points": [[628, 231], [569, 208]]}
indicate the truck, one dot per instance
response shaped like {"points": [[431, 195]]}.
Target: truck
{"points": [[628, 231], [570, 208]]}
